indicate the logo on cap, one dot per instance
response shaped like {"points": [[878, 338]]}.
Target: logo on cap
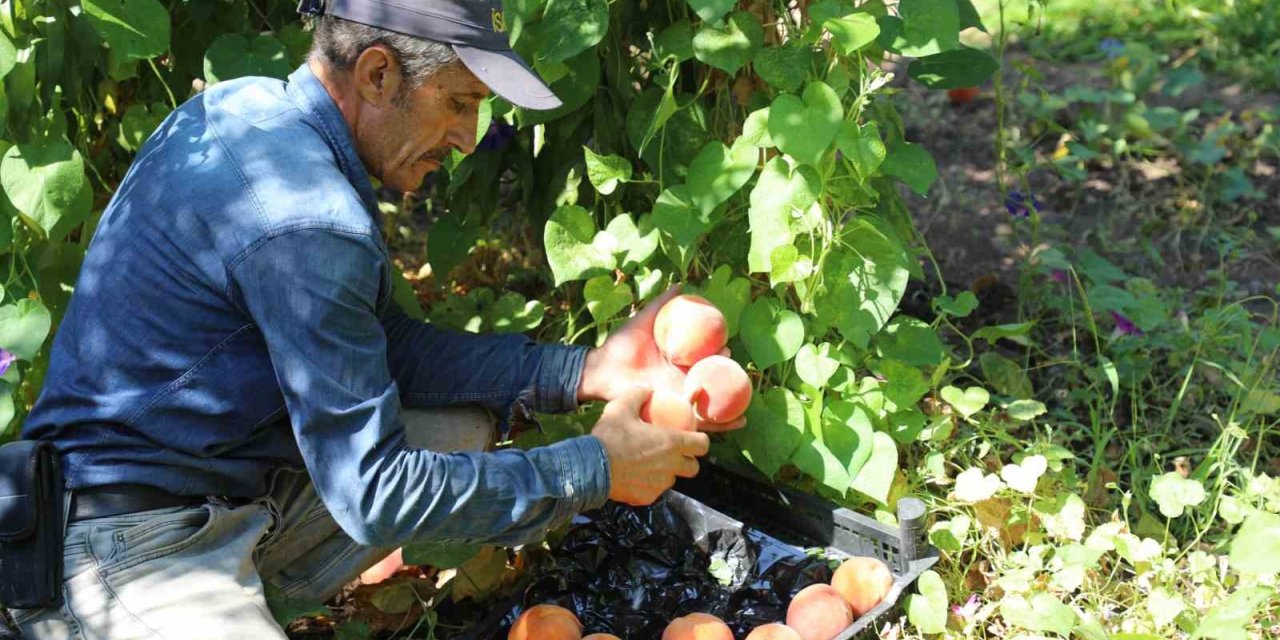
{"points": [[499, 24]]}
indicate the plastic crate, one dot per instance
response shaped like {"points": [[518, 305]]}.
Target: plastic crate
{"points": [[774, 516]]}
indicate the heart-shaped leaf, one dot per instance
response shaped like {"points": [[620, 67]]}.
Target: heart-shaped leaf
{"points": [[23, 327], [729, 294], [787, 264], [138, 122], [233, 55], [951, 535], [805, 127], [906, 384], [784, 67], [974, 486], [910, 341], [779, 196], [8, 55], [730, 46], [772, 334], [911, 164], [862, 147], [775, 427], [927, 610], [755, 131], [675, 41], [967, 402], [928, 27], [606, 297], [815, 459], [719, 171], [955, 69], [1024, 410], [568, 238], [607, 171], [1005, 376], [1175, 493], [876, 476], [814, 364], [511, 313], [675, 213], [1043, 612], [711, 10], [43, 180], [133, 29], [631, 243], [1256, 546], [853, 31], [1164, 605], [1023, 477], [864, 279], [569, 27], [440, 555]]}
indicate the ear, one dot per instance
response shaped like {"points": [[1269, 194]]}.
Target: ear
{"points": [[377, 75]]}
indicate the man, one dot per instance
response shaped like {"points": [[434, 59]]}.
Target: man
{"points": [[226, 389]]}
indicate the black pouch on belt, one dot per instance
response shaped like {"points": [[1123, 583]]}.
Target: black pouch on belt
{"points": [[31, 513]]}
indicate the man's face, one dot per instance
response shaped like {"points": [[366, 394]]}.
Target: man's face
{"points": [[403, 140]]}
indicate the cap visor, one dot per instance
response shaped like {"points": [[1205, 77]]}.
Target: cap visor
{"points": [[508, 76]]}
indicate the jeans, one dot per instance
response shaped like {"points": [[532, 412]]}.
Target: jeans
{"points": [[198, 572]]}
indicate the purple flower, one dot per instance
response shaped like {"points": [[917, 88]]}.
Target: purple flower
{"points": [[1059, 276], [498, 137], [1125, 325], [968, 610], [1017, 204], [6, 359], [1111, 47]]}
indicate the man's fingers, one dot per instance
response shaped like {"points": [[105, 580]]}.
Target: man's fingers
{"points": [[688, 467], [693, 443], [631, 400]]}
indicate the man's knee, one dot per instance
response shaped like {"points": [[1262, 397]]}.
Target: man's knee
{"points": [[450, 429]]}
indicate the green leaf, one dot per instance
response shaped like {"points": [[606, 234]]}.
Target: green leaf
{"points": [[967, 402], [853, 32], [8, 55], [133, 29], [1012, 332], [928, 609], [448, 243], [911, 164], [969, 16], [780, 194], [606, 172], [784, 67], [139, 121], [863, 281], [817, 461], [42, 181], [233, 55], [441, 555], [1005, 376], [711, 10], [906, 384], [1175, 493], [511, 313], [718, 172], [480, 575], [605, 297], [675, 41], [729, 294], [755, 131], [876, 476], [570, 253], [773, 335], [805, 128], [631, 243], [1043, 612], [1228, 619], [955, 69], [1025, 410], [960, 306], [285, 609], [787, 264], [574, 89], [911, 341], [951, 535], [861, 146], [928, 27], [815, 366], [7, 410], [730, 46], [775, 428], [569, 27], [1164, 605], [675, 213], [1256, 546]]}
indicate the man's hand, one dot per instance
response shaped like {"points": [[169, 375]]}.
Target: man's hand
{"points": [[644, 460], [630, 356]]}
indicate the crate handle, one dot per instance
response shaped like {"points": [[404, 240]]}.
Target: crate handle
{"points": [[911, 517]]}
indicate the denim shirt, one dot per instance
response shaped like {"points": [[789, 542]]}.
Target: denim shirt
{"points": [[234, 314]]}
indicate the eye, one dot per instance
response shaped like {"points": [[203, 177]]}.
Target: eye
{"points": [[460, 106]]}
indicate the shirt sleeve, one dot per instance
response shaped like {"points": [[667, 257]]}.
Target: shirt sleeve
{"points": [[313, 294], [435, 367]]}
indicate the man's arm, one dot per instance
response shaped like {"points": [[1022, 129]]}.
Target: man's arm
{"points": [[435, 367], [312, 294]]}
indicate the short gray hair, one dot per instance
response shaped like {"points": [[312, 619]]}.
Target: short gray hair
{"points": [[339, 43]]}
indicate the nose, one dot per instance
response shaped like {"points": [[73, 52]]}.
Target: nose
{"points": [[463, 134]]}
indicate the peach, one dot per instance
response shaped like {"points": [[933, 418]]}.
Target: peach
{"points": [[601, 636], [864, 583], [385, 568], [669, 409], [689, 328], [774, 631], [697, 626], [718, 388], [546, 622], [819, 612]]}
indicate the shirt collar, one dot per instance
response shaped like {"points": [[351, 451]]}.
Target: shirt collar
{"points": [[309, 94]]}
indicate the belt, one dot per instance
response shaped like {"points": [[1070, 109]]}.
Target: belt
{"points": [[117, 499]]}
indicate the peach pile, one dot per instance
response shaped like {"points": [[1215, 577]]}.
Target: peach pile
{"points": [[864, 582], [822, 611], [697, 626], [546, 622], [691, 334]]}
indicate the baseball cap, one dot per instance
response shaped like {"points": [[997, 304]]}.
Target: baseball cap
{"points": [[474, 28]]}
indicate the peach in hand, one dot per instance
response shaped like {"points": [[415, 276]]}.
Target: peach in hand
{"points": [[697, 626], [864, 583], [819, 612], [774, 631], [718, 388], [601, 636], [546, 622], [689, 328], [668, 409]]}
